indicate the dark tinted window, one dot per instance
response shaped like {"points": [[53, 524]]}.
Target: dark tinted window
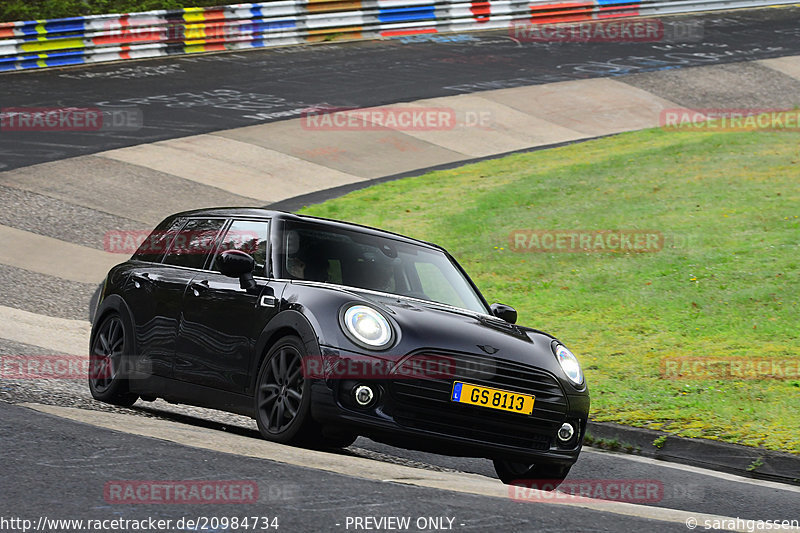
{"points": [[194, 242], [249, 236], [153, 247], [316, 252]]}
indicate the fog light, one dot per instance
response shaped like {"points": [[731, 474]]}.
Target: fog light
{"points": [[566, 432], [363, 395]]}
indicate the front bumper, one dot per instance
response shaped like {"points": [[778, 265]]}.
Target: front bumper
{"points": [[418, 414]]}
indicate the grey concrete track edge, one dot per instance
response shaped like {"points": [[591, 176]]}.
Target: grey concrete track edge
{"points": [[318, 197]]}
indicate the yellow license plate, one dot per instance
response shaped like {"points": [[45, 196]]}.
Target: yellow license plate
{"points": [[493, 398]]}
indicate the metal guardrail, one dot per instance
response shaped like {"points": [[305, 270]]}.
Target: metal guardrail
{"points": [[99, 38]]}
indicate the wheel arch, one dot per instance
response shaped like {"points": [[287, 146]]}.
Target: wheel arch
{"points": [[285, 323], [114, 304]]}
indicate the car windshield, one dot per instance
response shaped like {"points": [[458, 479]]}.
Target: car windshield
{"points": [[315, 252]]}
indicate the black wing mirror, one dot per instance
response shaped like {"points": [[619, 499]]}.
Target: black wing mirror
{"points": [[238, 264], [505, 312]]}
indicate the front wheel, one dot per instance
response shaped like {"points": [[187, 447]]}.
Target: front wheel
{"points": [[106, 362], [543, 476], [283, 395], [335, 439]]}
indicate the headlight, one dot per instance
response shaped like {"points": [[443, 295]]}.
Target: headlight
{"points": [[569, 364], [367, 327]]}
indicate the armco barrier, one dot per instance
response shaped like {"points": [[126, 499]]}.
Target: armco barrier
{"points": [[97, 38]]}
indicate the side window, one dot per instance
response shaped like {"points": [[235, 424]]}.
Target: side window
{"points": [[194, 242], [249, 236], [335, 271], [154, 246], [435, 284]]}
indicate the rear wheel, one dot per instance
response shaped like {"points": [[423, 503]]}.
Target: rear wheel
{"points": [[110, 345], [543, 476]]}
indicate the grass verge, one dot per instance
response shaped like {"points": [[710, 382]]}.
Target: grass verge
{"points": [[724, 285]]}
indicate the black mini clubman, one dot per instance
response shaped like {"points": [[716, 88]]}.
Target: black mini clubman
{"points": [[324, 330]]}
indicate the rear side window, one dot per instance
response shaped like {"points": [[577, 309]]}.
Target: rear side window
{"points": [[251, 236], [153, 247], [194, 242]]}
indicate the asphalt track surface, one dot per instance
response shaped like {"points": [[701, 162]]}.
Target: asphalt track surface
{"points": [[63, 477], [180, 96], [58, 467], [71, 463]]}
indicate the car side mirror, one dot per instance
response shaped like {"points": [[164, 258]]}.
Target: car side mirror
{"points": [[504, 312], [238, 264]]}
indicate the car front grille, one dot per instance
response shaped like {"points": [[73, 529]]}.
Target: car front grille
{"points": [[425, 404]]}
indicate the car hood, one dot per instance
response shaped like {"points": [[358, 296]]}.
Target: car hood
{"points": [[422, 327], [437, 327]]}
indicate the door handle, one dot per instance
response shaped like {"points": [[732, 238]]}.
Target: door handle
{"points": [[198, 286]]}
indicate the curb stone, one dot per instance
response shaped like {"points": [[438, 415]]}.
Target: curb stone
{"points": [[737, 459]]}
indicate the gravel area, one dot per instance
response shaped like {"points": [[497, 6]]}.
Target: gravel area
{"points": [[69, 392], [55, 218], [737, 85], [45, 295], [8, 347]]}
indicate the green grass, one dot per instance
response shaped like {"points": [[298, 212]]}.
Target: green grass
{"points": [[726, 284]]}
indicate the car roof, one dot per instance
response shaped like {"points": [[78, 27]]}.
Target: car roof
{"points": [[285, 215]]}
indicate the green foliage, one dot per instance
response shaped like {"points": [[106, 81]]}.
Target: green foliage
{"points": [[13, 10], [759, 462], [610, 444]]}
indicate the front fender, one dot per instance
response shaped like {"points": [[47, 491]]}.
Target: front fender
{"points": [[114, 303], [289, 322]]}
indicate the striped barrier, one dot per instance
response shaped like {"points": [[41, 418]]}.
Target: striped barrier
{"points": [[99, 38]]}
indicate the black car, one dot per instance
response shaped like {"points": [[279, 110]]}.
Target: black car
{"points": [[324, 330]]}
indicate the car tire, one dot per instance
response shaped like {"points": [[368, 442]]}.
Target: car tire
{"points": [[334, 439], [283, 396], [111, 342], [543, 476]]}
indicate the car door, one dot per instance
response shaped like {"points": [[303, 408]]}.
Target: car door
{"points": [[155, 290], [221, 321]]}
